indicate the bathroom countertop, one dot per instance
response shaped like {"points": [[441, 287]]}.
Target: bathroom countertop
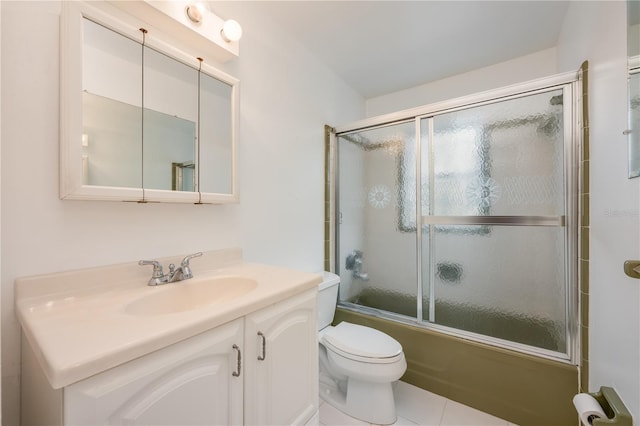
{"points": [[77, 325]]}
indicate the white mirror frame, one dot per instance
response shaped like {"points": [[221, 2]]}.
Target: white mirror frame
{"points": [[71, 182]]}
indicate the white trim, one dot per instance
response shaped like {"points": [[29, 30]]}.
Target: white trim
{"points": [[464, 101]]}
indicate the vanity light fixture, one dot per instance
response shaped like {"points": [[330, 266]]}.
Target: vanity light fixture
{"points": [[194, 12], [231, 31], [190, 23]]}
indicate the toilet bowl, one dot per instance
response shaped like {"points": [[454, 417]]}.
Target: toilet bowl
{"points": [[358, 364]]}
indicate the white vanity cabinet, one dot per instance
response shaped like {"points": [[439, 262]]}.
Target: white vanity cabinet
{"points": [[188, 383], [260, 369], [281, 365]]}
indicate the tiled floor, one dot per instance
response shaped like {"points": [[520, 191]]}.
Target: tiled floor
{"points": [[416, 406]]}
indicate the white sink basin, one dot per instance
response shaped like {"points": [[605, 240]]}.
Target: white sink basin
{"points": [[189, 295]]}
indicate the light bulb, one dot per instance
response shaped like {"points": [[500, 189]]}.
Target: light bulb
{"points": [[231, 31], [195, 12]]}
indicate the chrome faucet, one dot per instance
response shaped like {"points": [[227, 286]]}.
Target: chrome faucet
{"points": [[182, 272]]}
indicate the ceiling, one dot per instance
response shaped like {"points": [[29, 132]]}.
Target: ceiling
{"points": [[380, 47]]}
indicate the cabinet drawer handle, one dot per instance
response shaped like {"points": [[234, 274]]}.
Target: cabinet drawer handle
{"points": [[237, 372], [264, 347]]}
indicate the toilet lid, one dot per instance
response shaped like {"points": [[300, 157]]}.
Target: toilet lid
{"points": [[362, 341]]}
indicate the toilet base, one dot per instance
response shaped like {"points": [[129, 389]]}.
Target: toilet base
{"points": [[366, 401]]}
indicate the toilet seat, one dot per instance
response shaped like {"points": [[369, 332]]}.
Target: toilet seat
{"points": [[364, 344]]}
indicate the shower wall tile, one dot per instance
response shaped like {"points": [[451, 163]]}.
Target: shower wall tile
{"points": [[585, 222], [585, 171], [584, 310], [584, 376], [328, 232], [585, 144], [584, 208], [584, 335], [584, 276], [584, 242]]}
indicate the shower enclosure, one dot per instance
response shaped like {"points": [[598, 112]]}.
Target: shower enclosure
{"points": [[461, 217]]}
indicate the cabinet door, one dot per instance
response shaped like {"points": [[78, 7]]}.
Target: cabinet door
{"points": [[188, 383], [281, 382]]}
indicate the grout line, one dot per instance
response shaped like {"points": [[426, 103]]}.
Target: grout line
{"points": [[446, 402]]}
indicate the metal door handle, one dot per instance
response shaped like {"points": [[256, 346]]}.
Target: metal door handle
{"points": [[239, 366], [264, 346]]}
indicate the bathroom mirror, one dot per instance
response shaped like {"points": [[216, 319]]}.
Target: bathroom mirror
{"points": [[633, 48], [141, 120]]}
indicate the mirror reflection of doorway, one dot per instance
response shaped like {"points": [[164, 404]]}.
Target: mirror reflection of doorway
{"points": [[183, 176]]}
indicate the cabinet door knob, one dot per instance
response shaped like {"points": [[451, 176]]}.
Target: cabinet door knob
{"points": [[239, 366], [264, 346]]}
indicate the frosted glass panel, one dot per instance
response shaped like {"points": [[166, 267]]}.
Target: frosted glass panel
{"points": [[485, 252], [500, 159], [508, 283], [376, 203]]}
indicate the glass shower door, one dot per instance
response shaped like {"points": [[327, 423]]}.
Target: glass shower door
{"points": [[377, 221], [463, 220], [494, 235]]}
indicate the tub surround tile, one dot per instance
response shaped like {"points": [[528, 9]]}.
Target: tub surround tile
{"points": [[584, 309], [585, 189], [584, 276], [584, 242], [584, 376]]}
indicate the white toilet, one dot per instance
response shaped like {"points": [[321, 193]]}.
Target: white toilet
{"points": [[357, 364]]}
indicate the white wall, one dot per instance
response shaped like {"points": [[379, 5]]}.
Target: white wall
{"points": [[518, 70], [596, 31], [286, 98]]}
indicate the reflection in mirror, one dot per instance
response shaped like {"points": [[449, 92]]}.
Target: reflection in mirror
{"points": [[183, 176], [167, 139], [111, 148], [112, 129], [633, 49], [170, 89], [216, 135]]}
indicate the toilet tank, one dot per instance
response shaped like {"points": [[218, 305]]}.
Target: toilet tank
{"points": [[327, 298]]}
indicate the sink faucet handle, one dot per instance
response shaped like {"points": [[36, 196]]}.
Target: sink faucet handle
{"points": [[157, 267], [185, 268], [185, 261]]}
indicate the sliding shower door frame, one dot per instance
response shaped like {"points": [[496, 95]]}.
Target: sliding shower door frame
{"points": [[571, 87]]}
